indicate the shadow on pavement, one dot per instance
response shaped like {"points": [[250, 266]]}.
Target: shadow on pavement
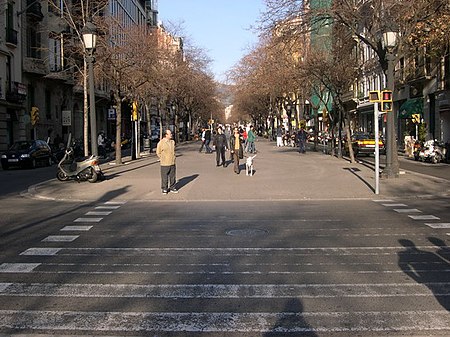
{"points": [[425, 267]]}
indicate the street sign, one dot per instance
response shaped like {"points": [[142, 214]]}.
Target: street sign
{"points": [[66, 118], [415, 118]]}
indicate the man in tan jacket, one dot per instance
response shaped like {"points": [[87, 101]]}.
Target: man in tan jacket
{"points": [[165, 150]]}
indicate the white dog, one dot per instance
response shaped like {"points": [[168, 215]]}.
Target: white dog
{"points": [[249, 166]]}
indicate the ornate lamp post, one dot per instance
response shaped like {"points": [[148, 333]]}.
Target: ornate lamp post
{"points": [[392, 166], [90, 40]]}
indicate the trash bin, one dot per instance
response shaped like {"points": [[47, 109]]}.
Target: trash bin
{"points": [[146, 144]]}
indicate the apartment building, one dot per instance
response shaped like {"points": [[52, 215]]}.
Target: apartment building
{"points": [[36, 73]]}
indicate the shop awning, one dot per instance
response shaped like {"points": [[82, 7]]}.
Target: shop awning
{"points": [[411, 107]]}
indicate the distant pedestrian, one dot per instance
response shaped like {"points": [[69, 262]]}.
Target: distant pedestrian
{"points": [[220, 142], [301, 140], [251, 137], [165, 150], [101, 144], [208, 140], [279, 136], [236, 143], [203, 139]]}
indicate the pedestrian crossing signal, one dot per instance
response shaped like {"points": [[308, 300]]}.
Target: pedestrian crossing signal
{"points": [[374, 96], [386, 103]]}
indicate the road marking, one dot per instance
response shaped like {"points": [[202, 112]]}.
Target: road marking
{"points": [[60, 238], [407, 210], [107, 207], [115, 202], [98, 213], [395, 205], [383, 200], [224, 290], [281, 322], [76, 228], [439, 225], [88, 220], [18, 267], [41, 251], [424, 217]]}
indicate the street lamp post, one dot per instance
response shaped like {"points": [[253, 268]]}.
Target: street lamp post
{"points": [[90, 40], [392, 166]]}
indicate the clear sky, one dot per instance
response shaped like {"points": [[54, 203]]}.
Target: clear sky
{"points": [[220, 27]]}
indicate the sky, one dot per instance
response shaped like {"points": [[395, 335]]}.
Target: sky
{"points": [[221, 27]]}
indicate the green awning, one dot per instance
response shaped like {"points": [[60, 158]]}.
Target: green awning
{"points": [[411, 107]]}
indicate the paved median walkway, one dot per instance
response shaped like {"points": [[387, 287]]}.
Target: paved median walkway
{"points": [[280, 174]]}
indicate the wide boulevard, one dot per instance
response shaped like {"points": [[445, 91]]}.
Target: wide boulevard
{"points": [[301, 248]]}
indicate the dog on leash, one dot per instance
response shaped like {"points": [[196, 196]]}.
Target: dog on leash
{"points": [[249, 165]]}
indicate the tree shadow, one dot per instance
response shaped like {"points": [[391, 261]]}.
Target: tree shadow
{"points": [[427, 268], [354, 170], [291, 322]]}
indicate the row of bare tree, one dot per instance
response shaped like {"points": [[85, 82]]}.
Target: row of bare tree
{"points": [[288, 65], [143, 64]]}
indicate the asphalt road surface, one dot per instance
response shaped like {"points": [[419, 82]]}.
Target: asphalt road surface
{"points": [[245, 267]]}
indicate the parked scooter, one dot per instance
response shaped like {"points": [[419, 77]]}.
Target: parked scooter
{"points": [[81, 169], [432, 152]]}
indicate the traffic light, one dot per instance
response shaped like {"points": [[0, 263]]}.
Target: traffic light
{"points": [[386, 101], [34, 115], [135, 111], [415, 118], [374, 96]]}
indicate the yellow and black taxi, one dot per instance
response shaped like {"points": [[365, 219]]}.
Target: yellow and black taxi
{"points": [[364, 144]]}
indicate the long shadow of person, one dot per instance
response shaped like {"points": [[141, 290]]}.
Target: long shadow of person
{"points": [[427, 268], [291, 322]]}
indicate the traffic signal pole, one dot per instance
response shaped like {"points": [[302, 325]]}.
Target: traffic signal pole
{"points": [[377, 149]]}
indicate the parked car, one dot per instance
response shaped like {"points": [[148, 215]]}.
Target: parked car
{"points": [[27, 154], [364, 144]]}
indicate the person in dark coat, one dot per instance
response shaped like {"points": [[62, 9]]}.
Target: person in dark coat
{"points": [[220, 142], [236, 148], [301, 139]]}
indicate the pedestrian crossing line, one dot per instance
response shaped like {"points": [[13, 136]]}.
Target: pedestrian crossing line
{"points": [[395, 205], [76, 228], [41, 251], [280, 322], [98, 213], [383, 200], [439, 225], [107, 207], [407, 210], [233, 251], [60, 238], [424, 217], [115, 202], [88, 220], [225, 291], [18, 268]]}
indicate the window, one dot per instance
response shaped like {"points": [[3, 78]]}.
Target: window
{"points": [[33, 42], [54, 53]]}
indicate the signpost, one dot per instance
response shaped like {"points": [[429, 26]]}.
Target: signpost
{"points": [[383, 104]]}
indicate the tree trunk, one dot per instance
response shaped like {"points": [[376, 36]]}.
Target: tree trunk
{"points": [[349, 138]]}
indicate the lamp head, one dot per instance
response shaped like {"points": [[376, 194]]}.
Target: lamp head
{"points": [[89, 36]]}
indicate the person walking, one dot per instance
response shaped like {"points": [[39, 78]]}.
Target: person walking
{"points": [[203, 139], [208, 140], [220, 142], [165, 150], [236, 148], [101, 144], [301, 139], [251, 137], [279, 136]]}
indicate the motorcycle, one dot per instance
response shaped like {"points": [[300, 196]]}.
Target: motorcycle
{"points": [[431, 151], [81, 169]]}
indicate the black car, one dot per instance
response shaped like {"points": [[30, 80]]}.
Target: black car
{"points": [[27, 154]]}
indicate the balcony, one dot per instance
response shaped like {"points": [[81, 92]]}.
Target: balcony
{"points": [[34, 10], [11, 37], [17, 94], [35, 66]]}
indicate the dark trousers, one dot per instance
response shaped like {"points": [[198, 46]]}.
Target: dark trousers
{"points": [[236, 161], [220, 154], [168, 177]]}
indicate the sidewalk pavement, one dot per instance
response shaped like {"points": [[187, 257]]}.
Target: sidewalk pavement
{"points": [[281, 173]]}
